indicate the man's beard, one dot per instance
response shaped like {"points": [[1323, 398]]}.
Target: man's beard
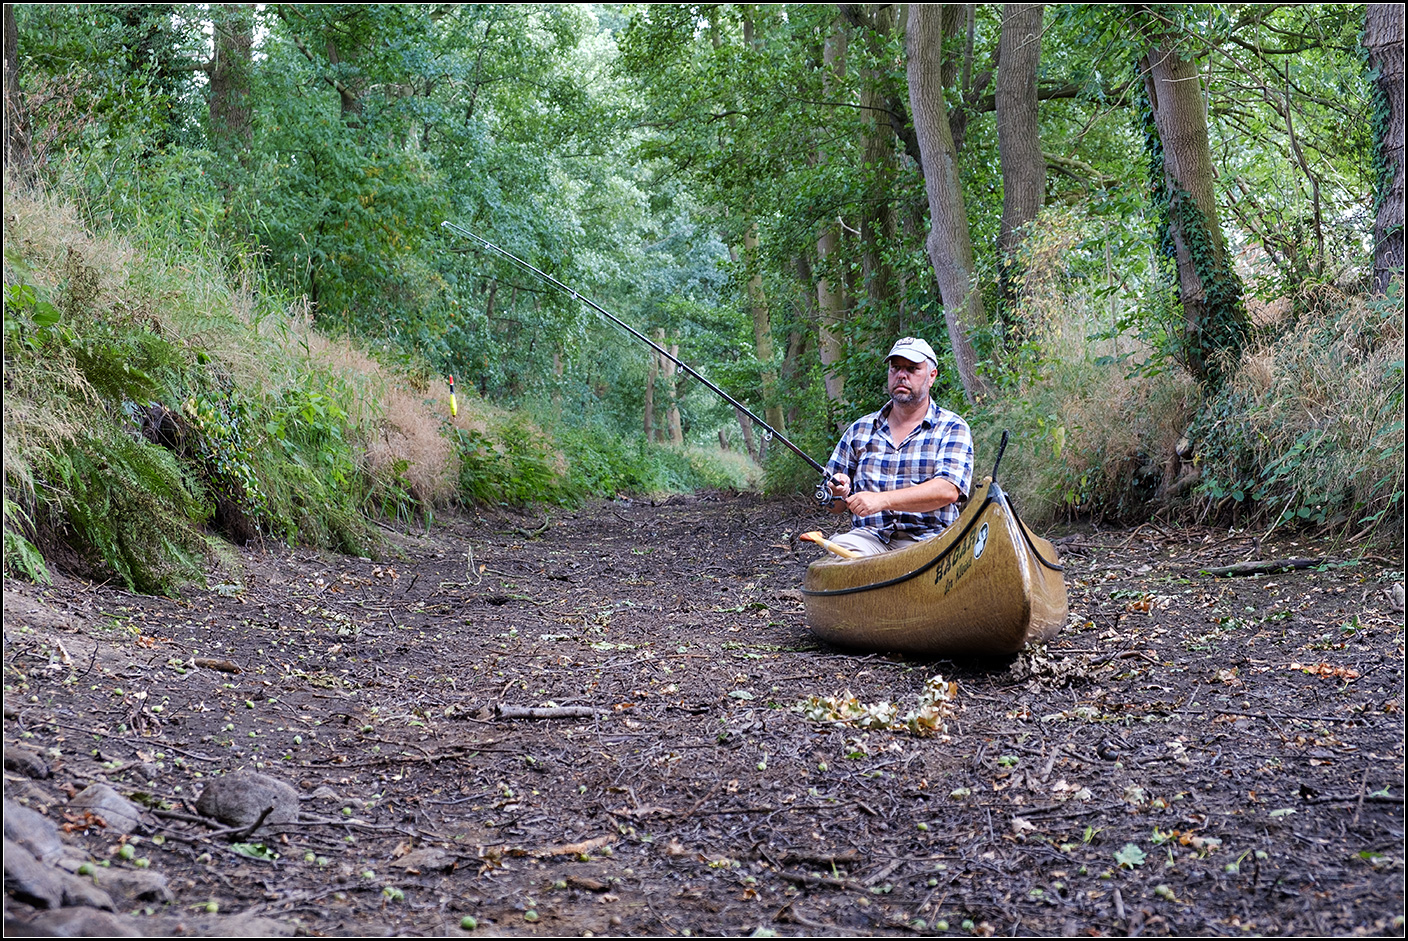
{"points": [[908, 397]]}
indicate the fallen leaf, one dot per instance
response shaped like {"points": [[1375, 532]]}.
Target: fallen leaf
{"points": [[1326, 669], [1131, 856]]}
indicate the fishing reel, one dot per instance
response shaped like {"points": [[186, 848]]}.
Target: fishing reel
{"points": [[823, 494]]}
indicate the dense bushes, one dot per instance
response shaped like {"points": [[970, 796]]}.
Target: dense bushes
{"points": [[512, 462], [1311, 426], [1307, 427]]}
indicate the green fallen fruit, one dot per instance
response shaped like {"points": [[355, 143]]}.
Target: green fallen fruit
{"points": [[469, 923]]}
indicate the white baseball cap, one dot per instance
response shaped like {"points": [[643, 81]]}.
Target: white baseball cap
{"points": [[915, 350]]}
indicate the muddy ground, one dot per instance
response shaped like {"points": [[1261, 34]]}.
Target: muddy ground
{"points": [[1192, 755]]}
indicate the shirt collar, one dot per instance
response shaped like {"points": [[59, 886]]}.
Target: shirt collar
{"points": [[928, 421]]}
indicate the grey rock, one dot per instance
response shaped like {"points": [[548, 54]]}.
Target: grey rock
{"points": [[32, 830], [86, 923], [238, 799], [426, 859], [229, 926], [130, 886], [29, 880], [80, 890], [119, 813], [26, 762]]}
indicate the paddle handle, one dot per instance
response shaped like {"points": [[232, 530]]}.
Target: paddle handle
{"points": [[830, 546]]}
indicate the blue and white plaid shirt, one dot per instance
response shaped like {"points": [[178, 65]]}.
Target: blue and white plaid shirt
{"points": [[940, 446]]}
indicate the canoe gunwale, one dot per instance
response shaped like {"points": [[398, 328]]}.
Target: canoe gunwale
{"points": [[995, 494]]}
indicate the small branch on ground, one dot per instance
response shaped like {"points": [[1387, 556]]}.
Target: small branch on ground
{"points": [[506, 711], [1268, 567]]}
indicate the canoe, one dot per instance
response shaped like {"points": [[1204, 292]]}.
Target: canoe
{"points": [[986, 586]]}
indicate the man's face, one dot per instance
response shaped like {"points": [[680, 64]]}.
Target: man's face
{"points": [[910, 382]]}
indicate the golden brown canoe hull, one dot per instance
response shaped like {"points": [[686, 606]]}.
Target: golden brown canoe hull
{"points": [[980, 590]]}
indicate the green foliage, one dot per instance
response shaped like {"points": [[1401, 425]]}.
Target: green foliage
{"points": [[1085, 439], [505, 464], [20, 554]]}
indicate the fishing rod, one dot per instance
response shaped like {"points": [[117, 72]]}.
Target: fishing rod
{"points": [[768, 431]]}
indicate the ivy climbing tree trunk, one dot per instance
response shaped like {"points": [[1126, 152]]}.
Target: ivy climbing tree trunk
{"points": [[1383, 35], [230, 71], [1018, 140], [1210, 292], [949, 244]]}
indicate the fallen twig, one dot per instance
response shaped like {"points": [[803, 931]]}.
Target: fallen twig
{"points": [[506, 711], [1263, 568], [801, 878], [224, 666], [245, 833], [574, 849]]}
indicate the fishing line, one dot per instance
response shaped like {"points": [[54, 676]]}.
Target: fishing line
{"points": [[768, 431]]}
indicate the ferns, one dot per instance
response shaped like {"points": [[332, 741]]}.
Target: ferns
{"points": [[130, 505]]}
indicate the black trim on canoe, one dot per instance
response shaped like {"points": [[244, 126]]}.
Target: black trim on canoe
{"points": [[1027, 537], [994, 495]]}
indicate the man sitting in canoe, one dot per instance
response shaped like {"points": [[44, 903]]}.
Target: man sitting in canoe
{"points": [[903, 472]]}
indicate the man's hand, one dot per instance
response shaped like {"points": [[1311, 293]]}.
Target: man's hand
{"points": [[840, 487], [867, 503]]}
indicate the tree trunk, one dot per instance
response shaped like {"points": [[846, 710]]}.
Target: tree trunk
{"points": [[830, 297], [1018, 140], [18, 158], [1214, 318], [672, 396], [799, 341], [949, 247], [557, 372], [1383, 35], [954, 19], [878, 224], [656, 432], [762, 331], [745, 424], [651, 374], [895, 107], [231, 70], [831, 313]]}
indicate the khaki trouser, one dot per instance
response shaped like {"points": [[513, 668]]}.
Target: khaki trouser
{"points": [[866, 542]]}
